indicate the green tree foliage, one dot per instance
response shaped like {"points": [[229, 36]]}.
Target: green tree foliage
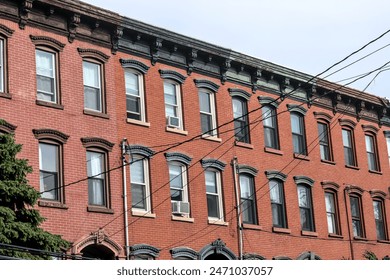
{"points": [[19, 221]]}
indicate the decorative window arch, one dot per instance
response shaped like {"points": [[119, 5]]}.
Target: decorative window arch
{"points": [[98, 238], [236, 92], [308, 256], [250, 256], [213, 163], [134, 64], [172, 75], [207, 85], [144, 252], [184, 253], [217, 249], [7, 127]]}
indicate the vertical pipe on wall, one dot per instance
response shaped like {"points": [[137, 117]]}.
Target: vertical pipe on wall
{"points": [[238, 208], [124, 141]]}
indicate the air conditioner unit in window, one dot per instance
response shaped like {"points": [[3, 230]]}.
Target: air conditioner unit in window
{"points": [[180, 208], [173, 121]]}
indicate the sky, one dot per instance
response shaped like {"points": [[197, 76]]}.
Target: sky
{"points": [[305, 35]]}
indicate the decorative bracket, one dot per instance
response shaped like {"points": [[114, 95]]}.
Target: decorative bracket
{"points": [[73, 24], [117, 34], [192, 55], [256, 76], [311, 92], [155, 50], [24, 11], [335, 101], [224, 68], [360, 105]]}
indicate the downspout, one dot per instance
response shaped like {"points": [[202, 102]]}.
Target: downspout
{"points": [[238, 208], [124, 163], [346, 190]]}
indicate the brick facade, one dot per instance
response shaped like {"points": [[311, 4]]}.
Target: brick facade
{"points": [[87, 32]]}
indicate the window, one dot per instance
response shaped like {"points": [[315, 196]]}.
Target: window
{"points": [[207, 112], [331, 212], [46, 75], [213, 193], [178, 182], [51, 144], [270, 127], [372, 155], [248, 199], [305, 208], [277, 203], [357, 222], [298, 134], [173, 111], [387, 134], [324, 139], [241, 123], [2, 74], [92, 86], [140, 190], [135, 98], [349, 150], [49, 170], [96, 168], [379, 220]]}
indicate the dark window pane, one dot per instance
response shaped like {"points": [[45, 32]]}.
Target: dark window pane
{"points": [[212, 206], [138, 196]]}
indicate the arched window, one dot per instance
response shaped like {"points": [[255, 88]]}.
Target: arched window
{"points": [[347, 128], [298, 129], [305, 201], [248, 203]]}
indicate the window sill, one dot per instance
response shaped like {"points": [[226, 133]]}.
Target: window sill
{"points": [[211, 138], [52, 204], [136, 122], [6, 95], [301, 157], [251, 226], [273, 151], [49, 104], [352, 167], [96, 114], [359, 238], [176, 130], [244, 145], [309, 233], [328, 161], [182, 219], [383, 241], [98, 209], [140, 213], [333, 235], [216, 222], [375, 172], [281, 230]]}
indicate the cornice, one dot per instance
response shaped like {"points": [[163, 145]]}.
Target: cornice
{"points": [[47, 133], [120, 33], [89, 142], [47, 41]]}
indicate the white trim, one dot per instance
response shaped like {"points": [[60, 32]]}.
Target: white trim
{"points": [[2, 71], [178, 105], [212, 113], [141, 93], [218, 194], [145, 184], [53, 75]]}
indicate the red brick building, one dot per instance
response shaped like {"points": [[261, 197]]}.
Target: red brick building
{"points": [[147, 144]]}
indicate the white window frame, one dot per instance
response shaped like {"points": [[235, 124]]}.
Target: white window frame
{"points": [[183, 174], [372, 154], [52, 77], [178, 105], [211, 98], [99, 88], [145, 184], [140, 97], [100, 176], [388, 146], [2, 70], [218, 194], [53, 193], [250, 197]]}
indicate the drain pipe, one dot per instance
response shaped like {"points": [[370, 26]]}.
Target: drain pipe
{"points": [[346, 190], [124, 163], [238, 208]]}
